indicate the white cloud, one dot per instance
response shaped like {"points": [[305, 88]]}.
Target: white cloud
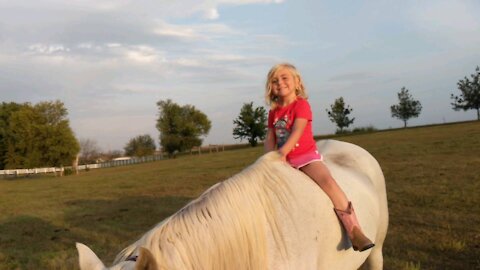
{"points": [[114, 45], [142, 54], [47, 48], [227, 57], [211, 14], [104, 5], [187, 62], [179, 31], [193, 32]]}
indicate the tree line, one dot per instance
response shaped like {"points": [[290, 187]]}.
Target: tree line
{"points": [[180, 127], [250, 123], [39, 135]]}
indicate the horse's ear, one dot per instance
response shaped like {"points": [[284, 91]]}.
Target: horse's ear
{"points": [[87, 258], [145, 260]]}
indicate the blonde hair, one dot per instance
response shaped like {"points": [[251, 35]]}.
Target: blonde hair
{"points": [[270, 98], [227, 226]]}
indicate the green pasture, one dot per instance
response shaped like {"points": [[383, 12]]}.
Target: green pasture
{"points": [[433, 185]]}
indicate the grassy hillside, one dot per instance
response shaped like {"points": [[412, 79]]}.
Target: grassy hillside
{"points": [[433, 186]]}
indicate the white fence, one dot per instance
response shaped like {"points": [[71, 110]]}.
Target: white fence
{"points": [[60, 171], [207, 149], [112, 163], [16, 172], [133, 160]]}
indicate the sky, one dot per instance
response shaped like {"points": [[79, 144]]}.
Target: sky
{"points": [[110, 62]]}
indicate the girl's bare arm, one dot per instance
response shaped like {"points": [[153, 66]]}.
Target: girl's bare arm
{"points": [[269, 143], [297, 131]]}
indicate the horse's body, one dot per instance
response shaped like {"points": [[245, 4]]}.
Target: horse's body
{"points": [[269, 216]]}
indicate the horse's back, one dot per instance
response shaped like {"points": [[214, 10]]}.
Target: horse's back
{"points": [[353, 157], [315, 239]]}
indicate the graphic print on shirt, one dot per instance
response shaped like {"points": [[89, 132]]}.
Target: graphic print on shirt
{"points": [[281, 131]]}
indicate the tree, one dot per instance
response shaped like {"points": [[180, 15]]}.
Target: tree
{"points": [[180, 126], [59, 146], [339, 114], [89, 151], [407, 107], [469, 99], [109, 155], [6, 112], [250, 124], [142, 145], [22, 140], [36, 136]]}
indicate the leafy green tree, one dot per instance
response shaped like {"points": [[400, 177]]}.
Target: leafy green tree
{"points": [[60, 146], [407, 107], [37, 136], [6, 111], [250, 124], [180, 126], [142, 145], [469, 98], [338, 114], [23, 140]]}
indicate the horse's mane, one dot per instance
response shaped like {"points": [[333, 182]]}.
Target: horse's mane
{"points": [[228, 226]]}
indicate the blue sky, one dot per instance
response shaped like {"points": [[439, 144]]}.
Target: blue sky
{"points": [[111, 61]]}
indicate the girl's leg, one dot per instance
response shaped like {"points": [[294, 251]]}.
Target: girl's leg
{"points": [[321, 175], [343, 208]]}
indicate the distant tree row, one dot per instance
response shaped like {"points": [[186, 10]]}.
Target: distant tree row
{"points": [[250, 124], [35, 135], [39, 135], [408, 107], [90, 152], [181, 127]]}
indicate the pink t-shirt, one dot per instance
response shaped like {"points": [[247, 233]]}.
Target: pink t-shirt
{"points": [[281, 119]]}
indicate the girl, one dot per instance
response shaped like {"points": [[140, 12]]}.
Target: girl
{"points": [[290, 132]]}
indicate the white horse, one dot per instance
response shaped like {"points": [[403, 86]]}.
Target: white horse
{"points": [[269, 216]]}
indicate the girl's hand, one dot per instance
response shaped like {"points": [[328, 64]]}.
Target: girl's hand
{"points": [[283, 156], [298, 127]]}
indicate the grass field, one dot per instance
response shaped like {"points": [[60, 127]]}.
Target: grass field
{"points": [[433, 186]]}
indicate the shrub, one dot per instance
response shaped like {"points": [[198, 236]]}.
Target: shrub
{"points": [[364, 129], [67, 171]]}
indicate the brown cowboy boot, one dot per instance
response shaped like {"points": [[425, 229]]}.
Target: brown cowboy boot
{"points": [[349, 220]]}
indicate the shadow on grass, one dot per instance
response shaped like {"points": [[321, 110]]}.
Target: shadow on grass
{"points": [[107, 226], [28, 242], [125, 214]]}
